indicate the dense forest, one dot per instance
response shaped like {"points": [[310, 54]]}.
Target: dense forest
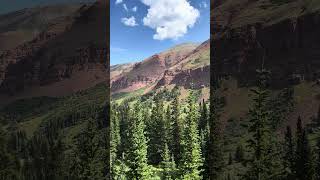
{"points": [[159, 137], [71, 142], [164, 137]]}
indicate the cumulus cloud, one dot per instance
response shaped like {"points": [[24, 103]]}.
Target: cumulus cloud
{"points": [[118, 1], [131, 21], [170, 19], [134, 9], [125, 7]]}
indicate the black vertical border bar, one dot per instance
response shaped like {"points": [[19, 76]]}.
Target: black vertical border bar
{"points": [[107, 106], [108, 81], [212, 67]]}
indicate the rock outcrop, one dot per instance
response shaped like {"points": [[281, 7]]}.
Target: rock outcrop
{"points": [[68, 47], [189, 79], [151, 70], [288, 47]]}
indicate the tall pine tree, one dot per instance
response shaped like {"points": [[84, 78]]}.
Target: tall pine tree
{"points": [[191, 161], [137, 151], [114, 137], [214, 161], [175, 130], [289, 154], [8, 164], [318, 160], [264, 162], [304, 167], [156, 133], [168, 164]]}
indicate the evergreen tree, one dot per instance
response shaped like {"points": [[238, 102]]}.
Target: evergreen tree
{"points": [[114, 137], [157, 137], [38, 156], [167, 164], [204, 138], [309, 168], [137, 152], [123, 128], [264, 163], [8, 164], [204, 129], [281, 106], [304, 162], [168, 121], [175, 130], [230, 161], [214, 161], [239, 154], [318, 160], [88, 161], [55, 158], [120, 170], [299, 149], [203, 120], [289, 154], [191, 151]]}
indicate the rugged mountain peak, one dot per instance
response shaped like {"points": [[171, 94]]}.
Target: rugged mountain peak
{"points": [[162, 69]]}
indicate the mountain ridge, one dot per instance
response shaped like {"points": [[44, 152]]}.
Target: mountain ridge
{"points": [[68, 50], [176, 66]]}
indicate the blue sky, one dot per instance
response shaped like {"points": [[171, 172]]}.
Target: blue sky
{"points": [[134, 26]]}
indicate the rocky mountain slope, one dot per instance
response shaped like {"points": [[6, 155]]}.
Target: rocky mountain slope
{"points": [[281, 36], [24, 25], [185, 65], [61, 51]]}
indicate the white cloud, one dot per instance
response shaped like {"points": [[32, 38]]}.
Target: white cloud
{"points": [[118, 1], [170, 19], [125, 7], [134, 9], [131, 21], [205, 5]]}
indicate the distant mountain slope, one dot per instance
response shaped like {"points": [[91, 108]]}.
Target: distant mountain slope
{"points": [[24, 25], [69, 46], [119, 69], [285, 34], [282, 36], [185, 65]]}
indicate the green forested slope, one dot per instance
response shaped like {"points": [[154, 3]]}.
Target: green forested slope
{"points": [[55, 138]]}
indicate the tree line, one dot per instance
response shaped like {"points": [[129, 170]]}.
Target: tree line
{"points": [[47, 155]]}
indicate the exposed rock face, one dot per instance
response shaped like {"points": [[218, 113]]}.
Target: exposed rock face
{"points": [[68, 47], [126, 84], [289, 48], [151, 70], [190, 79]]}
